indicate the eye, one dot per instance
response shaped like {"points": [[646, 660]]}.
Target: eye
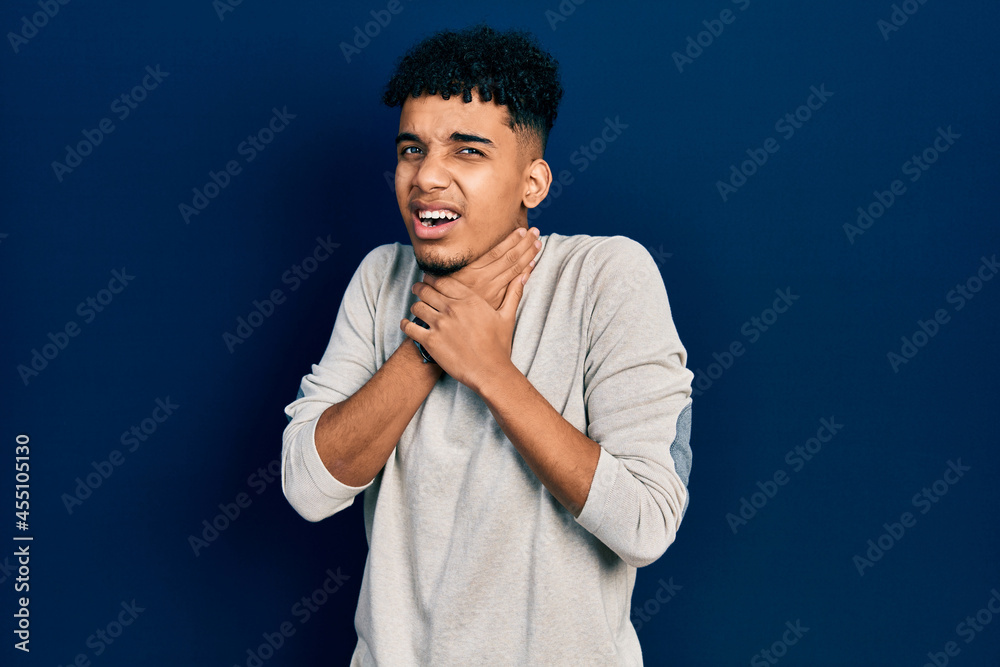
{"points": [[409, 150], [474, 151]]}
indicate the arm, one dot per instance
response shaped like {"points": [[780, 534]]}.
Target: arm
{"points": [[560, 456], [354, 438], [626, 482], [341, 445], [621, 483]]}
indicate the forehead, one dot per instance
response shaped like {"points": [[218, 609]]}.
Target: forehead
{"points": [[431, 117]]}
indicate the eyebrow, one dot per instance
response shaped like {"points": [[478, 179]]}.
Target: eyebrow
{"points": [[459, 137], [456, 137]]}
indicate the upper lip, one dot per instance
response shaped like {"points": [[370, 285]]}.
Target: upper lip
{"points": [[417, 206]]}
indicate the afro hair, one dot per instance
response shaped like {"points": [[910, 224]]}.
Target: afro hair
{"points": [[509, 68]]}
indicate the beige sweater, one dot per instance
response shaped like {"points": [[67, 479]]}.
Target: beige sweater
{"points": [[471, 560]]}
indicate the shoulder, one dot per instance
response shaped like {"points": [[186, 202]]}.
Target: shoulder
{"points": [[615, 270], [386, 262], [602, 258], [598, 248], [381, 258], [381, 268]]}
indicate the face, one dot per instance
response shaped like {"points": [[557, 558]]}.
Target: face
{"points": [[460, 167]]}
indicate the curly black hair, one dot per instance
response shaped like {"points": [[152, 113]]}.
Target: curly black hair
{"points": [[509, 68]]}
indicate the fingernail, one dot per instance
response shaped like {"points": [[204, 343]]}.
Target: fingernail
{"points": [[536, 232], [538, 244], [522, 231], [531, 263]]}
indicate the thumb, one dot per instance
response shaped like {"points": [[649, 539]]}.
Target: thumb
{"points": [[515, 288]]}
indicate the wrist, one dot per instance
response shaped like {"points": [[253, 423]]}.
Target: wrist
{"points": [[424, 354], [414, 359], [495, 381]]}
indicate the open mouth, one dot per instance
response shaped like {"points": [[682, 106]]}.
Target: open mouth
{"points": [[435, 218]]}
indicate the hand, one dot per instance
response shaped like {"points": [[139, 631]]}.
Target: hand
{"points": [[489, 275], [469, 339]]}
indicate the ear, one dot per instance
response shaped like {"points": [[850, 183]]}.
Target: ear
{"points": [[537, 179]]}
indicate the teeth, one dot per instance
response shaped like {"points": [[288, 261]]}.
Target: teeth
{"points": [[436, 215]]}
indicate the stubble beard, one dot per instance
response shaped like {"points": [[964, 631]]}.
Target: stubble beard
{"points": [[438, 268]]}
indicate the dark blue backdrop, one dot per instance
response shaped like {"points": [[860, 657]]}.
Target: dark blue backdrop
{"points": [[845, 426]]}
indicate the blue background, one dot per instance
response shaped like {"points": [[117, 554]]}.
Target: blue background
{"points": [[722, 259]]}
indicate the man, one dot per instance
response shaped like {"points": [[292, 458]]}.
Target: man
{"points": [[532, 452]]}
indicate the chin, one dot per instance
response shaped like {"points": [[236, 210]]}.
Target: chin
{"points": [[433, 264], [440, 269]]}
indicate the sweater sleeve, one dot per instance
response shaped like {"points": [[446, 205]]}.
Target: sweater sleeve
{"points": [[637, 392], [347, 364]]}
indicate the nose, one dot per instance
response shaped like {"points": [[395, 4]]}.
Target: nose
{"points": [[431, 173]]}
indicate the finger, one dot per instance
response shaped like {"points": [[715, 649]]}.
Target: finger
{"points": [[414, 331], [500, 250], [446, 287], [529, 247], [534, 247], [439, 295], [424, 312], [508, 309], [525, 250], [508, 260], [519, 257], [407, 326]]}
